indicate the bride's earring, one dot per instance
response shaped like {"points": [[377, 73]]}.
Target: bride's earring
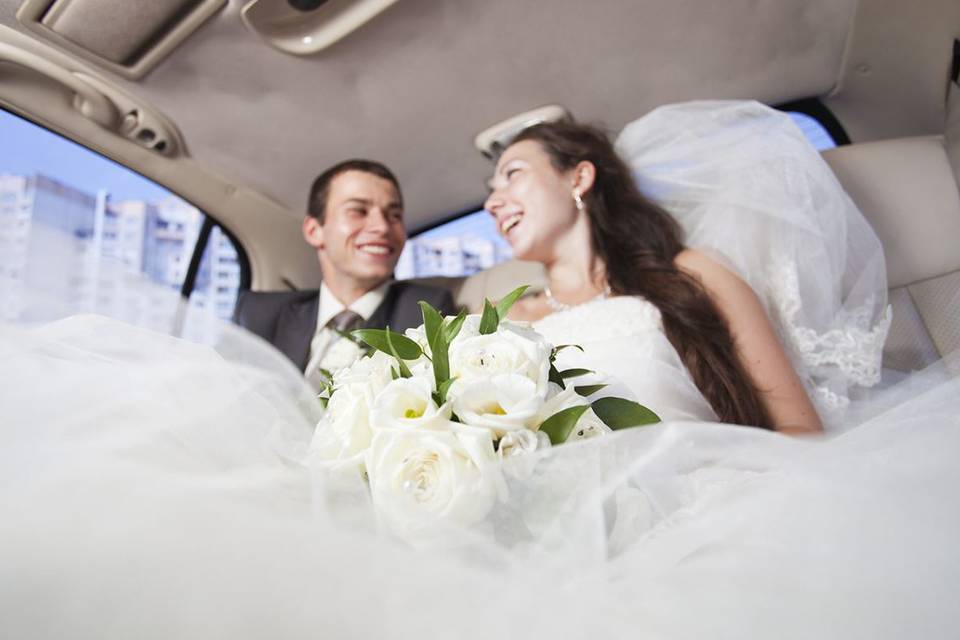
{"points": [[578, 200]]}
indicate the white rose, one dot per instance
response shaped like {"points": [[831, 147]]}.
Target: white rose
{"points": [[511, 349], [422, 479], [588, 426], [517, 443], [344, 431], [407, 403], [502, 403]]}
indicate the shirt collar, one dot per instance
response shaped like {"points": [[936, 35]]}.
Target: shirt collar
{"points": [[365, 305]]}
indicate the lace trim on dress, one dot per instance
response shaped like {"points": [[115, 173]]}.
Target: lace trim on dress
{"points": [[853, 347]]}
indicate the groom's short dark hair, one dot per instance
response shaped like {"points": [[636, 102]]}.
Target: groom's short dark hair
{"points": [[320, 191]]}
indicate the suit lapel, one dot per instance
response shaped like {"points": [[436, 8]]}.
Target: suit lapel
{"points": [[381, 316], [295, 329]]}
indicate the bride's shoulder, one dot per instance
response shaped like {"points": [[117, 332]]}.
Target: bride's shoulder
{"points": [[711, 270]]}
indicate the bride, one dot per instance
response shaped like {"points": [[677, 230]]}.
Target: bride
{"points": [[154, 488], [562, 196]]}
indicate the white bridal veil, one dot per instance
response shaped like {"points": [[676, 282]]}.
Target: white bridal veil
{"points": [[746, 185], [155, 488]]}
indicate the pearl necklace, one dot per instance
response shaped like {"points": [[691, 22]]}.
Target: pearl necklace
{"points": [[556, 305]]}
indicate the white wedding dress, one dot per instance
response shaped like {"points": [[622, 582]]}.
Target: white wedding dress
{"points": [[153, 488]]}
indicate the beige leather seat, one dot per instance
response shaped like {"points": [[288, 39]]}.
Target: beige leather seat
{"points": [[907, 189], [492, 283]]}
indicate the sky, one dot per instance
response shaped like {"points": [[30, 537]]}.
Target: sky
{"points": [[26, 148]]}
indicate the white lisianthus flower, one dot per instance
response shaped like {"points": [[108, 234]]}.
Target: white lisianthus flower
{"points": [[407, 403], [501, 403], [517, 443], [341, 354], [421, 479], [588, 426], [344, 431], [512, 349]]}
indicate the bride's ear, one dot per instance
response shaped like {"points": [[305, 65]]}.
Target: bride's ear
{"points": [[584, 175]]}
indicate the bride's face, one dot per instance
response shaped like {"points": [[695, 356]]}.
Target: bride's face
{"points": [[531, 201]]}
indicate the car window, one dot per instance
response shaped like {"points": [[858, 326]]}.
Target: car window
{"points": [[107, 239], [460, 247], [815, 132]]}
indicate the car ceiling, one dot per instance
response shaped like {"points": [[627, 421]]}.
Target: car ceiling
{"points": [[414, 85]]}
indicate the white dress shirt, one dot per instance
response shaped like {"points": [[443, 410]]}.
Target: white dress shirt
{"points": [[328, 349]]}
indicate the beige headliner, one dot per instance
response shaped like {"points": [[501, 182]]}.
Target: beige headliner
{"points": [[416, 84]]}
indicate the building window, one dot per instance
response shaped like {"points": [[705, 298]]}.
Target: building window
{"points": [[100, 237]]}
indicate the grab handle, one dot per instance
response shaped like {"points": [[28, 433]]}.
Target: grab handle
{"points": [[88, 101]]}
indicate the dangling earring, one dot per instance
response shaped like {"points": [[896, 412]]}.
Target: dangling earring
{"points": [[578, 200]]}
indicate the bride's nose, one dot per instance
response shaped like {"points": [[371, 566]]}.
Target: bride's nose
{"points": [[493, 203]]}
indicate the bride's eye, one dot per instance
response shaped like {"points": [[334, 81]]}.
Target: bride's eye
{"points": [[510, 172]]}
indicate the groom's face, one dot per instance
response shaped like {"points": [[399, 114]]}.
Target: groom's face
{"points": [[362, 233]]}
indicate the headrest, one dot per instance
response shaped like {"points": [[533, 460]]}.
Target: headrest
{"points": [[907, 191]]}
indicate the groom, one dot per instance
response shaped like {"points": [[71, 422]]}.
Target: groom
{"points": [[354, 222]]}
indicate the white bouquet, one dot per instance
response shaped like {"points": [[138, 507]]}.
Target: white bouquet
{"points": [[427, 417]]}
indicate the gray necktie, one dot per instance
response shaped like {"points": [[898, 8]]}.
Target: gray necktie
{"points": [[345, 321]]}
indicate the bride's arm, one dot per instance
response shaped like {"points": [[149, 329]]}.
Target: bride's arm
{"points": [[759, 348]]}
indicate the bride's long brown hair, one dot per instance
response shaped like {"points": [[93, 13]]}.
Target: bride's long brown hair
{"points": [[638, 241]]}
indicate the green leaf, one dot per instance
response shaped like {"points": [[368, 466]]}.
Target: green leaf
{"points": [[452, 328], [444, 389], [588, 389], [432, 322], [574, 373], [618, 413], [405, 348], [489, 320], [404, 369], [324, 401], [559, 425], [503, 307], [560, 348], [394, 374], [556, 378]]}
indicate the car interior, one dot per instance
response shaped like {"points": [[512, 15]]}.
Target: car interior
{"points": [[237, 105]]}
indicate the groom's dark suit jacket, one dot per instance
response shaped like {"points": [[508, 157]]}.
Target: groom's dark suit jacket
{"points": [[288, 319]]}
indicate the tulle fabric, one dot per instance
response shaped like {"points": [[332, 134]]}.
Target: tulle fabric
{"points": [[153, 488], [748, 187], [141, 495]]}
